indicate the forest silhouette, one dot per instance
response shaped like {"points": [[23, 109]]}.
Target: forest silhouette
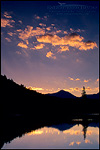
{"points": [[17, 99]]}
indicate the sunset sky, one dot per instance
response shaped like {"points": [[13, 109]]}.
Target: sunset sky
{"points": [[51, 45]]}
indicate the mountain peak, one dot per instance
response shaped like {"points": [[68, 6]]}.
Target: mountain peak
{"points": [[62, 94]]}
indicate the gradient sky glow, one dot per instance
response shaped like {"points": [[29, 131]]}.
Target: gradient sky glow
{"points": [[51, 45]]}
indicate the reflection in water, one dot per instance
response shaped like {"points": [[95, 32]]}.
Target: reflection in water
{"points": [[59, 136]]}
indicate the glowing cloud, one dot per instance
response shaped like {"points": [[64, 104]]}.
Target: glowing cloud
{"points": [[41, 24], [70, 78], [21, 44], [71, 144], [6, 15], [20, 21], [64, 48], [97, 80], [34, 88], [10, 33], [86, 80], [72, 39], [77, 79], [50, 55], [88, 45], [39, 46], [29, 32], [6, 22], [78, 143], [9, 40]]}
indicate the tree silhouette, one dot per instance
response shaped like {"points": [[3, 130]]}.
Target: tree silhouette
{"points": [[83, 93]]}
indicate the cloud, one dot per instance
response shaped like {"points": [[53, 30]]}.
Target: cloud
{"points": [[50, 55], [49, 38], [97, 80], [6, 22], [41, 24], [10, 33], [88, 45], [36, 17], [48, 28], [78, 143], [86, 80], [20, 21], [21, 44], [6, 15], [39, 46], [88, 88], [9, 40], [29, 32], [65, 32], [70, 78], [78, 30], [77, 79], [71, 144], [72, 39], [35, 88], [63, 48], [88, 141]]}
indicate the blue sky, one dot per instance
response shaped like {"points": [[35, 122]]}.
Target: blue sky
{"points": [[51, 45]]}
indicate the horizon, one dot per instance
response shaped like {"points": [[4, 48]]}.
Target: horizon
{"points": [[47, 47], [30, 88]]}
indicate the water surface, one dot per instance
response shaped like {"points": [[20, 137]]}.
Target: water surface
{"points": [[64, 136]]}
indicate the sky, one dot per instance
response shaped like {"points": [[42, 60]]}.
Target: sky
{"points": [[51, 45]]}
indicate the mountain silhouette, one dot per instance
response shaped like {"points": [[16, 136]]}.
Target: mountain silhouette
{"points": [[18, 100], [93, 96], [62, 94], [65, 94]]}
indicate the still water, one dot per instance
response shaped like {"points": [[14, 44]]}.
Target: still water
{"points": [[64, 136]]}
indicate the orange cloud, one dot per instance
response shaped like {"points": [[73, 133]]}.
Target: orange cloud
{"points": [[48, 28], [10, 33], [63, 48], [88, 45], [35, 88], [6, 22], [71, 144], [77, 79], [78, 30], [97, 80], [39, 46], [7, 15], [88, 141], [20, 21], [78, 143], [36, 17], [70, 78], [50, 55], [86, 80], [88, 88], [41, 24], [29, 32], [73, 40], [36, 132], [21, 44], [9, 40]]}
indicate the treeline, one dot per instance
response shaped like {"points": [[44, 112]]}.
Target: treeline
{"points": [[16, 99]]}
